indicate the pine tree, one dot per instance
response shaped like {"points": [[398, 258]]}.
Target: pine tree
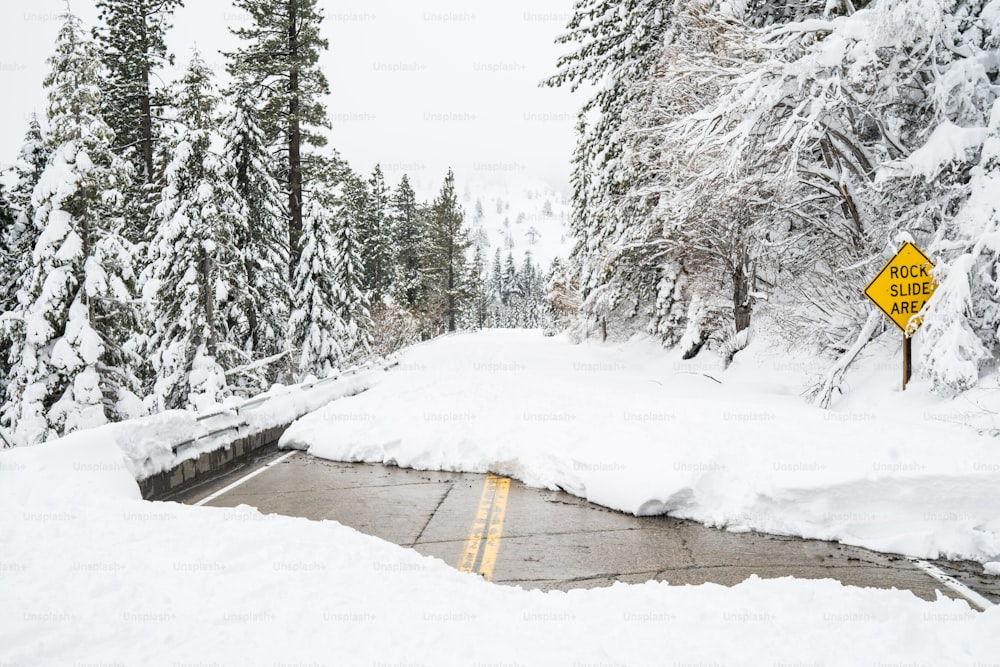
{"points": [[20, 237], [529, 287], [376, 238], [329, 322], [408, 238], [352, 302], [195, 285], [509, 287], [279, 64], [494, 287], [17, 241], [263, 240], [478, 315], [10, 278], [74, 366], [447, 244], [30, 164], [618, 44], [133, 50]]}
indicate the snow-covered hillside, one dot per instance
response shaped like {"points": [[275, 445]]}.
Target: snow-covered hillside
{"points": [[517, 220]]}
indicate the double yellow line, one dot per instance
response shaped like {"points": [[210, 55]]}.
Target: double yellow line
{"points": [[483, 543]]}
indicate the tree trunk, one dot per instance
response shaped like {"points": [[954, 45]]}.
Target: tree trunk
{"points": [[147, 138], [146, 114], [451, 284], [742, 305], [208, 294]]}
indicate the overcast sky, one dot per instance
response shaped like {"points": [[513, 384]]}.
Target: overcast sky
{"points": [[417, 86]]}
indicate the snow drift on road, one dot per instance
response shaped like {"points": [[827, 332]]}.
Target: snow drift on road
{"points": [[92, 574], [637, 429]]}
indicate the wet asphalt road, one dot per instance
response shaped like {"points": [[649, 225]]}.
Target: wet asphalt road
{"points": [[536, 538]]}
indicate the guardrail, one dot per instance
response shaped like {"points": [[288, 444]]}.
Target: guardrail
{"points": [[234, 419], [239, 412]]}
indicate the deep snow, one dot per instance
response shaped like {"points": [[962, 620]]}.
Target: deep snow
{"points": [[637, 429], [91, 574]]}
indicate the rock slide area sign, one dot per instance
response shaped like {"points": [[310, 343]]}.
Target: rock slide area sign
{"points": [[903, 286]]}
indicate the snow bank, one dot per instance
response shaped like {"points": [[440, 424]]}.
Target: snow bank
{"points": [[148, 443], [637, 429], [91, 574]]}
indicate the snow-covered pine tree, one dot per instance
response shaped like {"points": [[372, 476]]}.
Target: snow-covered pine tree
{"points": [[18, 240], [530, 286], [9, 237], [509, 287], [20, 237], [329, 321], [408, 237], [376, 238], [133, 50], [28, 168], [74, 367], [445, 258], [494, 288], [478, 312], [279, 64], [9, 280], [352, 302], [195, 285], [263, 240], [618, 44]]}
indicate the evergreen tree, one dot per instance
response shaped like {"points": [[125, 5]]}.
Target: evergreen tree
{"points": [[509, 287], [133, 50], [195, 285], [479, 312], [20, 236], [618, 44], [9, 276], [494, 288], [376, 238], [263, 240], [532, 293], [74, 366], [352, 302], [408, 237], [17, 241], [447, 244], [30, 164], [279, 64], [329, 322]]}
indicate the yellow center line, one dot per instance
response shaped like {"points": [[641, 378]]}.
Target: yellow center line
{"points": [[483, 543]]}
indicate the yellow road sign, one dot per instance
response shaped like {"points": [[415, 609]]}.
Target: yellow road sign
{"points": [[903, 286]]}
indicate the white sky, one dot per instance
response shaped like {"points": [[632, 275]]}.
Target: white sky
{"points": [[417, 86]]}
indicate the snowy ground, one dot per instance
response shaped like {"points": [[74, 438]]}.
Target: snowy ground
{"points": [[90, 573], [637, 429]]}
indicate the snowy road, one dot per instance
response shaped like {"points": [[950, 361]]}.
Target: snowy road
{"points": [[547, 539]]}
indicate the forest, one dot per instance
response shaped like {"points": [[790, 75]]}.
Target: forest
{"points": [[168, 245], [747, 166]]}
